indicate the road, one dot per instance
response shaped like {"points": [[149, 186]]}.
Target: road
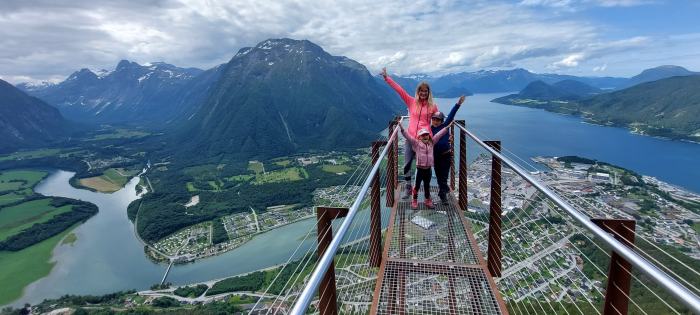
{"points": [[255, 217], [572, 265], [539, 255]]}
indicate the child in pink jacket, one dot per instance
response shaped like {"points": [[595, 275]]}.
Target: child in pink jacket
{"points": [[420, 109], [423, 148]]}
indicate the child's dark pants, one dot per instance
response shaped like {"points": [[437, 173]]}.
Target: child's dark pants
{"points": [[442, 171], [423, 175]]}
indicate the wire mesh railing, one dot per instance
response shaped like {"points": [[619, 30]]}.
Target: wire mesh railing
{"points": [[553, 261], [545, 252]]}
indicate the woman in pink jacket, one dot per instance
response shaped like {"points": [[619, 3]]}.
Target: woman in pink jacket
{"points": [[420, 109], [423, 148]]}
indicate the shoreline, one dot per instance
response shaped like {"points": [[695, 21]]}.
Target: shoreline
{"points": [[590, 121], [217, 253]]}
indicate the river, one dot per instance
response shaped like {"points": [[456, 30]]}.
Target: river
{"points": [[107, 257]]}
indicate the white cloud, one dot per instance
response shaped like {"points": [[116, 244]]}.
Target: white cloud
{"points": [[568, 62], [43, 40], [622, 3], [579, 4], [600, 68], [549, 3]]}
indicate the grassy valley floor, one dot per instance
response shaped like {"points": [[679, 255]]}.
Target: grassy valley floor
{"points": [[19, 269]]}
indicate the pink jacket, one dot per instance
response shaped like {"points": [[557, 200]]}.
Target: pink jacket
{"points": [[424, 151], [419, 116]]}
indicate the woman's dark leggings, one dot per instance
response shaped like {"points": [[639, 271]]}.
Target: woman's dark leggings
{"points": [[423, 175]]}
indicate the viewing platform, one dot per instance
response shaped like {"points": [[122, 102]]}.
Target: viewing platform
{"points": [[428, 245]]}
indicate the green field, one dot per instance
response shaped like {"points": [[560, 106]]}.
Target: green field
{"points": [[111, 180], [23, 155], [216, 185], [203, 170], [240, 178], [27, 179], [120, 134], [19, 269], [339, 168], [12, 197], [283, 163], [256, 166], [283, 175], [118, 176], [17, 218], [190, 187]]}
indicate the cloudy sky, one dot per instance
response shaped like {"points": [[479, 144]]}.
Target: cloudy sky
{"points": [[48, 39]]}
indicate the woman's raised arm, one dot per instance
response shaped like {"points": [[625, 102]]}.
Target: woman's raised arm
{"points": [[407, 99]]}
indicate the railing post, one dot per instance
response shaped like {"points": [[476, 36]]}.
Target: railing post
{"points": [[326, 291], [495, 210], [620, 272], [375, 225], [391, 168], [395, 152], [462, 167], [452, 160]]}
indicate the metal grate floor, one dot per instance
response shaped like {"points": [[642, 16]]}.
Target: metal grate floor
{"points": [[430, 288], [431, 265], [431, 234]]}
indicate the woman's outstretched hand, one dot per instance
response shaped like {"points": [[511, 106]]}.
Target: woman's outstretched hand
{"points": [[461, 100], [383, 73]]}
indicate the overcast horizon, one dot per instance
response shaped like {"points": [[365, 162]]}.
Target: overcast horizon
{"points": [[46, 41]]}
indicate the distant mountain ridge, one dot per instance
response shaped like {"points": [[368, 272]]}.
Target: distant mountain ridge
{"points": [[499, 81], [540, 92], [155, 93], [668, 107], [658, 73], [286, 95], [26, 121]]}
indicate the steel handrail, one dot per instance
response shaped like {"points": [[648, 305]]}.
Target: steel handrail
{"points": [[671, 286], [302, 303]]}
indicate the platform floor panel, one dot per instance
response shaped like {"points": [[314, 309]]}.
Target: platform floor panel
{"points": [[431, 264], [428, 288], [431, 234]]}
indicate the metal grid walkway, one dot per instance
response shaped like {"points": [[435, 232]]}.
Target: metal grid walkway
{"points": [[432, 266]]}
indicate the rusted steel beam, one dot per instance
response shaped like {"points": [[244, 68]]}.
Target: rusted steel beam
{"points": [[462, 167], [391, 167], [619, 275], [477, 252], [327, 291], [375, 224], [452, 160], [382, 276], [494, 254]]}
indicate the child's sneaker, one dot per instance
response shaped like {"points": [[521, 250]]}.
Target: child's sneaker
{"points": [[443, 198], [429, 203], [414, 204], [408, 191]]}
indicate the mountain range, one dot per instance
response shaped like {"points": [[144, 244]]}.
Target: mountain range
{"points": [[499, 81], [285, 95], [27, 121], [154, 94], [669, 107], [659, 73]]}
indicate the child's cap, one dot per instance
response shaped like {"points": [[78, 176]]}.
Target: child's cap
{"points": [[439, 115], [423, 131]]}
